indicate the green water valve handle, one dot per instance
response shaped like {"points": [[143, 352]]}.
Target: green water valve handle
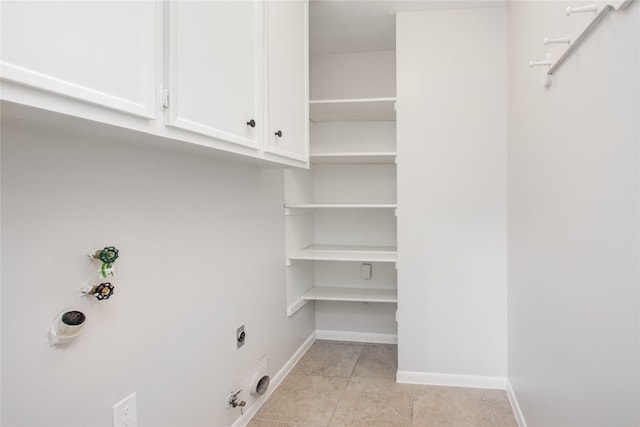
{"points": [[107, 255]]}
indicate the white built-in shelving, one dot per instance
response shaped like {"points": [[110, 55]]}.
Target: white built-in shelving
{"points": [[345, 196], [351, 253], [342, 212], [339, 293], [356, 109], [372, 157], [341, 206]]}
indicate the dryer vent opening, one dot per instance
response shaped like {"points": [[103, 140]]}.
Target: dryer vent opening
{"points": [[262, 385]]}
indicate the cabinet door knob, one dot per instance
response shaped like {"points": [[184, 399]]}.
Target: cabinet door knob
{"points": [[251, 123], [279, 134]]}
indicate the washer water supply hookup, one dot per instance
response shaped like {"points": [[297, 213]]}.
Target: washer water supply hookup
{"points": [[108, 255], [101, 292]]}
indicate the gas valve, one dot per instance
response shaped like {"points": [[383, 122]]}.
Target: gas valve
{"points": [[101, 292]]}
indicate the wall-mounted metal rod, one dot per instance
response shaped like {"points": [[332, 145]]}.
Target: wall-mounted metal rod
{"points": [[581, 9], [575, 43], [557, 40]]}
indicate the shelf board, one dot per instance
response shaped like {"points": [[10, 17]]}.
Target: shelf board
{"points": [[346, 253], [330, 293], [342, 205], [360, 109], [373, 157]]}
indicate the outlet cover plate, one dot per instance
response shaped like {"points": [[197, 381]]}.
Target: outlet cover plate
{"points": [[125, 413], [241, 337]]}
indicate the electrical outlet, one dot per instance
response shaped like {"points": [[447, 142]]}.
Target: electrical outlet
{"points": [[366, 271], [125, 413], [240, 336]]}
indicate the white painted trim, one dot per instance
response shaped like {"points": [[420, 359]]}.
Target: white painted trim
{"points": [[276, 380], [515, 406], [368, 337], [452, 380], [46, 83]]}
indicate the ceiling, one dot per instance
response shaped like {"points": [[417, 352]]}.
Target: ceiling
{"points": [[342, 26]]}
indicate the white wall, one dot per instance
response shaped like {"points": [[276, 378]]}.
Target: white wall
{"points": [[573, 222], [451, 73], [353, 75], [202, 251]]}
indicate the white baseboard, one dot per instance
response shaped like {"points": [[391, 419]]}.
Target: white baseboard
{"points": [[452, 380], [357, 337], [276, 380], [516, 407]]}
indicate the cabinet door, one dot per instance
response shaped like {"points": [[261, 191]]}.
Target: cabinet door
{"points": [[214, 66], [287, 77], [100, 52]]}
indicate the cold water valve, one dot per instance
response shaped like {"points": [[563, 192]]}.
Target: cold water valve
{"points": [[108, 255]]}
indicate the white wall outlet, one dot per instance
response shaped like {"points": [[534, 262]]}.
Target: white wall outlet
{"points": [[366, 271], [125, 413]]}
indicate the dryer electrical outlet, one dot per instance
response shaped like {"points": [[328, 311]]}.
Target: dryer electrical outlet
{"points": [[240, 336]]}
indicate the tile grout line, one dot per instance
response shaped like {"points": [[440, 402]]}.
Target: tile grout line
{"points": [[345, 387], [413, 403], [356, 364]]}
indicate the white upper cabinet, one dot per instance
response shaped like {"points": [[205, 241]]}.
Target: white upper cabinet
{"points": [[287, 77], [214, 69], [222, 74], [99, 52]]}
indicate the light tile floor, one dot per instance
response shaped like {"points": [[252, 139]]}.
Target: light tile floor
{"points": [[353, 385]]}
